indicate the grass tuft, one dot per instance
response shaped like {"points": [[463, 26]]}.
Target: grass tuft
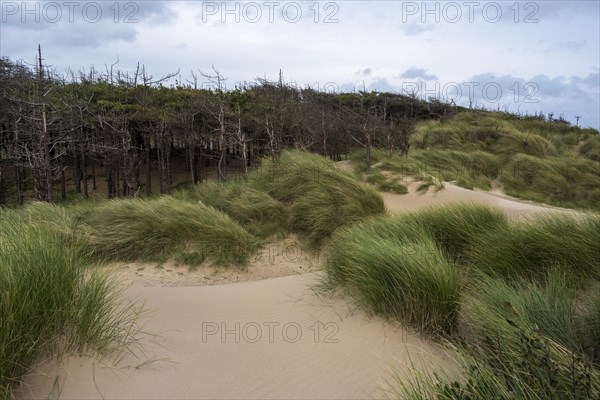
{"points": [[455, 227], [150, 230], [258, 212], [320, 196], [49, 299], [395, 269], [531, 249]]}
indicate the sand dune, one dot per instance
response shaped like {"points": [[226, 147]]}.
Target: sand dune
{"points": [[453, 194], [278, 351], [271, 338]]}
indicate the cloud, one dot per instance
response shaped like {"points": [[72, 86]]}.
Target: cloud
{"points": [[418, 73], [545, 11], [365, 72], [414, 29], [79, 24], [180, 45], [382, 85], [569, 46], [567, 96]]}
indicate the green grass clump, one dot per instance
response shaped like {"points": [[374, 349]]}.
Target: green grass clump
{"points": [[192, 259], [48, 299], [150, 230], [590, 322], [521, 340], [535, 369], [376, 178], [468, 169], [530, 249], [558, 181], [454, 228], [394, 187], [257, 211], [590, 148], [385, 184], [549, 307], [528, 334], [395, 269], [321, 197]]}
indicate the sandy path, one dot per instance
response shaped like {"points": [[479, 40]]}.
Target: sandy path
{"points": [[453, 194], [348, 357]]}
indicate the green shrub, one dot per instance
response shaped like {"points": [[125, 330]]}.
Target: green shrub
{"points": [[535, 369], [527, 334], [549, 306]]}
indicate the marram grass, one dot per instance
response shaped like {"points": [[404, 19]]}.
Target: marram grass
{"points": [[320, 197], [518, 301], [49, 298], [396, 270], [258, 212], [532, 248], [147, 230]]}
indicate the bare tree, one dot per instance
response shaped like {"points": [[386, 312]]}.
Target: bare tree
{"points": [[219, 110]]}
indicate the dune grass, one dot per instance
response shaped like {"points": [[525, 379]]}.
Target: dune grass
{"points": [[396, 270], [590, 148], [151, 230], [590, 322], [319, 196], [255, 210], [529, 158], [48, 297], [549, 307], [529, 334], [454, 228], [566, 182], [495, 133], [476, 169], [384, 183], [531, 249], [517, 300], [535, 369]]}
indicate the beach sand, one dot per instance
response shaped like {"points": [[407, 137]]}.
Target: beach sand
{"points": [[261, 332], [272, 338], [513, 207]]}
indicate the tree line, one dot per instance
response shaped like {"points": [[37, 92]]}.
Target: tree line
{"points": [[126, 127]]}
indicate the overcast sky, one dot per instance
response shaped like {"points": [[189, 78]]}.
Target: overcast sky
{"points": [[519, 56]]}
